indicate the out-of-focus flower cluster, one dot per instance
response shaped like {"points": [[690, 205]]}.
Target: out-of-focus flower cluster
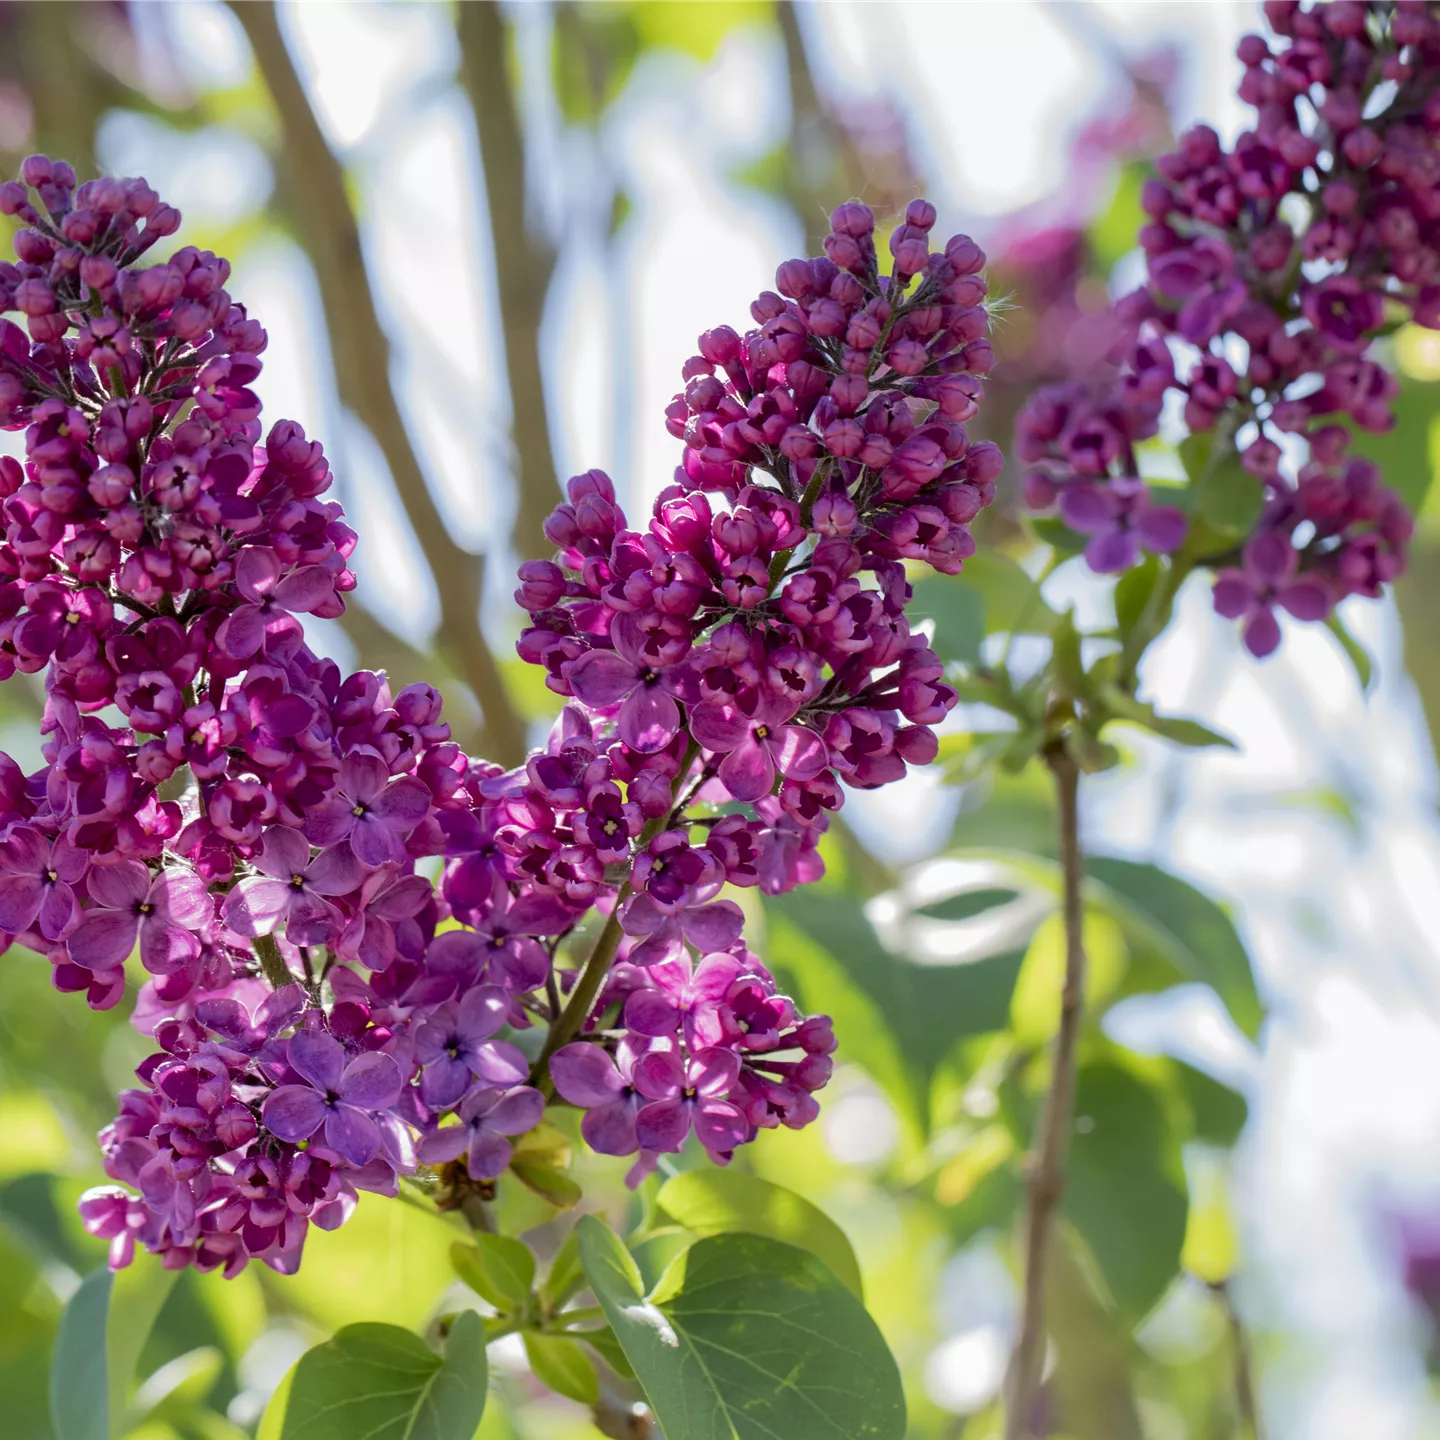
{"points": [[1271, 266], [347, 928]]}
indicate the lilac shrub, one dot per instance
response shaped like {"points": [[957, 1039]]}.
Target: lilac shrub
{"points": [[1271, 265], [360, 951]]}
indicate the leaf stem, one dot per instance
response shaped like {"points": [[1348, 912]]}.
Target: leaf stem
{"points": [[1245, 1401], [267, 952], [1045, 1181]]}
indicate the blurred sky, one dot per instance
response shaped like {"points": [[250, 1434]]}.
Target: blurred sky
{"points": [[1321, 828]]}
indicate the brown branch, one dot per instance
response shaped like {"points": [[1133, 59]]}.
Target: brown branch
{"points": [[1245, 1402], [312, 184], [816, 173], [1045, 1182], [524, 264]]}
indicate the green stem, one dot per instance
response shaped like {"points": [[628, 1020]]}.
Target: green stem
{"points": [[267, 952], [577, 1008]]}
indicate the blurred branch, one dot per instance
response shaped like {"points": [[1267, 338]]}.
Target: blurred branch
{"points": [[816, 174], [1417, 596], [524, 265], [312, 184], [1240, 1361]]}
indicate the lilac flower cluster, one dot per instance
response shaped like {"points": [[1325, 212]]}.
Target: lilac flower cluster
{"points": [[748, 651], [346, 929], [1271, 266]]}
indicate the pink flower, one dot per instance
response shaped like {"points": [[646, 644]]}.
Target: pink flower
{"points": [[758, 744], [293, 889], [689, 1095], [167, 912], [644, 690], [369, 809]]}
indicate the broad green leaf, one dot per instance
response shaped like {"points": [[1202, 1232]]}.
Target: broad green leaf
{"points": [[1035, 1004], [1355, 652], [958, 610], [562, 1366], [1230, 498], [1132, 593], [1218, 1112], [748, 1339], [548, 1183], [981, 1155], [384, 1383], [103, 1331], [1406, 454], [565, 1275], [1187, 927], [607, 1347], [1013, 601], [974, 996], [498, 1267], [1211, 1248], [718, 1202], [968, 904], [1112, 233], [1124, 1192], [1058, 535]]}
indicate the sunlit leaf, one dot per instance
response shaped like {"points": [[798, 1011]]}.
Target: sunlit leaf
{"points": [[1355, 652], [498, 1267], [384, 1383], [748, 1339], [562, 1366], [717, 1202]]}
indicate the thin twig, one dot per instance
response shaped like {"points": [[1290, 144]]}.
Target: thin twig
{"points": [[277, 972], [1245, 1401], [313, 184], [1046, 1179]]}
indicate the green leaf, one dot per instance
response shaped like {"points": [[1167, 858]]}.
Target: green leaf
{"points": [[958, 610], [549, 1184], [1132, 593], [104, 1329], [1407, 453], [1188, 928], [1219, 1112], [498, 1267], [974, 995], [607, 1347], [562, 1366], [1229, 498], [566, 1275], [1171, 727], [748, 1339], [719, 1202], [1112, 233], [1058, 535], [1065, 662], [1355, 652], [1124, 1193], [384, 1383], [967, 904], [1013, 601]]}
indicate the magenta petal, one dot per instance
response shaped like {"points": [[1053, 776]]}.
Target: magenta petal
{"points": [[713, 927], [720, 1126], [375, 843], [648, 719], [483, 1012], [104, 938], [714, 976], [1086, 507], [184, 898], [447, 1143], [330, 821], [371, 1081], [353, 1133], [320, 1058], [489, 1155], [1261, 632], [1233, 594], [336, 871], [58, 910], [601, 678], [585, 1075], [119, 886], [293, 1113], [534, 914], [257, 568], [443, 1082], [243, 632], [1161, 528], [1112, 551], [500, 1063], [802, 753], [610, 1129], [516, 1111], [256, 906], [659, 1075], [748, 772], [402, 804], [305, 589], [717, 727], [648, 1012], [662, 1126], [712, 1071], [165, 947], [283, 853], [20, 897], [311, 919], [1305, 599], [26, 851], [363, 775], [406, 897]]}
